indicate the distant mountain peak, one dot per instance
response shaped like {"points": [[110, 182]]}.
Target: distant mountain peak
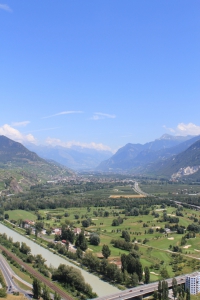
{"points": [[167, 136]]}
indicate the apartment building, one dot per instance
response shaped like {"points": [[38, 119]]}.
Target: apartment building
{"points": [[192, 283]]}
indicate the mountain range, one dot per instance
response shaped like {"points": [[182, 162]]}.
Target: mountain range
{"points": [[168, 156], [76, 158], [14, 155], [155, 157]]}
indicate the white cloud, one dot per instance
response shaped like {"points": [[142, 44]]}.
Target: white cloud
{"points": [[64, 113], [16, 135], [45, 129], [100, 116], [5, 7], [169, 129], [185, 129], [69, 144], [20, 124]]}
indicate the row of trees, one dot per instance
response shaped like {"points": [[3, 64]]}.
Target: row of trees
{"points": [[178, 291], [24, 252], [41, 290]]}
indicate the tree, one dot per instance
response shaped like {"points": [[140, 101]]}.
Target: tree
{"points": [[91, 261], [94, 239], [81, 241], [187, 294], [67, 234], [25, 249], [146, 275], [126, 235], [39, 260], [111, 271], [48, 231], [139, 269], [155, 295], [45, 293], [164, 274], [131, 264], [38, 227], [28, 231], [79, 253], [106, 214], [115, 222], [86, 223], [57, 296], [134, 279], [165, 290], [106, 251], [6, 216], [103, 265], [3, 293], [36, 288], [174, 288], [159, 290]]}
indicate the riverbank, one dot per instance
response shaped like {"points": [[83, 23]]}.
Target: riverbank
{"points": [[99, 286]]}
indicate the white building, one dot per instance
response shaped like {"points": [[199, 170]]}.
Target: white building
{"points": [[192, 283]]}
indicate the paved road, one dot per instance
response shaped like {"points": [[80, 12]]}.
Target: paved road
{"points": [[13, 274], [137, 189], [11, 285], [140, 290]]}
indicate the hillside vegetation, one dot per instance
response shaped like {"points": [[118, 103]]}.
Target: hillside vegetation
{"points": [[21, 168]]}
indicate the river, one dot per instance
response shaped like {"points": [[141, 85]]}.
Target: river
{"points": [[102, 288]]}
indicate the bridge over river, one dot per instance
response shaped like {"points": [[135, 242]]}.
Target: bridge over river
{"points": [[141, 290]]}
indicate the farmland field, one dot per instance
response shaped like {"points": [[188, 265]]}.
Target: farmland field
{"points": [[150, 222]]}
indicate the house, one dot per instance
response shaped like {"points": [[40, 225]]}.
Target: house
{"points": [[56, 231], [77, 231], [28, 223]]}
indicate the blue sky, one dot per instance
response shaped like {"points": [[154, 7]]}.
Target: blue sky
{"points": [[99, 73]]}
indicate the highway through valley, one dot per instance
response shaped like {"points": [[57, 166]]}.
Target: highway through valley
{"points": [[9, 279], [141, 290]]}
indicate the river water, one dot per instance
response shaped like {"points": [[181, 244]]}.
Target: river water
{"points": [[100, 287]]}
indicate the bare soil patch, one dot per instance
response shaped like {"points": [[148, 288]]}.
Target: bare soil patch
{"points": [[187, 246]]}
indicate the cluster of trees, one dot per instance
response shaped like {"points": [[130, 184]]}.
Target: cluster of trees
{"points": [[135, 211], [130, 273], [45, 197], [187, 236], [193, 227], [94, 239], [170, 219], [163, 291], [23, 251], [109, 270], [86, 223], [81, 241], [70, 276], [122, 244], [132, 265], [126, 236], [3, 287], [117, 222], [67, 234], [41, 290], [178, 291]]}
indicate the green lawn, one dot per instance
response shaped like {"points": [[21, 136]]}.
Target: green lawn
{"points": [[21, 214]]}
